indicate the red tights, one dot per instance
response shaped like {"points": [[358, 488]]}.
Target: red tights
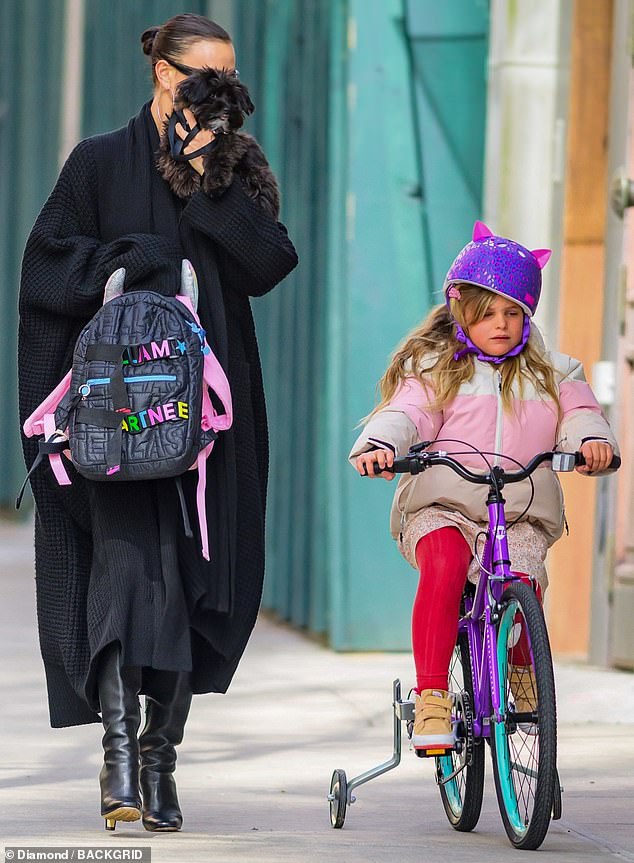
{"points": [[443, 557]]}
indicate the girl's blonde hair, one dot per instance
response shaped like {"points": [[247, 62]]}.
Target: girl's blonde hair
{"points": [[434, 341]]}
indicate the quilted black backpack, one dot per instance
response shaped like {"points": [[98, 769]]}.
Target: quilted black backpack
{"points": [[137, 402]]}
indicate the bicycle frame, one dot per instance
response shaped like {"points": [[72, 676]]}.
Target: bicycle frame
{"points": [[495, 571]]}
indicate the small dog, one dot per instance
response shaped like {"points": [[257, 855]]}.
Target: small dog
{"points": [[219, 102]]}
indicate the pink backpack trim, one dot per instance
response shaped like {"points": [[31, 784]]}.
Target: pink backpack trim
{"points": [[214, 378]]}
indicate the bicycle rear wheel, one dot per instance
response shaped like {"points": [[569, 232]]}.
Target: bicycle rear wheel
{"points": [[524, 743], [462, 795]]}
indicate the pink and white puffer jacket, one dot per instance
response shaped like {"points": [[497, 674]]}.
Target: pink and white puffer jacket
{"points": [[476, 416]]}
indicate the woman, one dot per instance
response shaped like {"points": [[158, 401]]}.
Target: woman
{"points": [[126, 603]]}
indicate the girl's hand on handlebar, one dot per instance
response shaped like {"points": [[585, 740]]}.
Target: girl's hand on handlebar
{"points": [[598, 455], [366, 461]]}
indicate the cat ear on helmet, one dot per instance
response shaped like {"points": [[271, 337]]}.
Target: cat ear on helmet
{"points": [[480, 231], [542, 256]]}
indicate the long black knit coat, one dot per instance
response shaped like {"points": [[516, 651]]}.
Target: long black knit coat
{"points": [[111, 558]]}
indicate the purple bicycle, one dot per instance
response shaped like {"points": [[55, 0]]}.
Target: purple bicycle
{"points": [[502, 676]]}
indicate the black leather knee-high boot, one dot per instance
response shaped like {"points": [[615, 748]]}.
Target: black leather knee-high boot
{"points": [[166, 714], [118, 688]]}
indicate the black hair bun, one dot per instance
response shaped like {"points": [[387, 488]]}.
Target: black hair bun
{"points": [[147, 39]]}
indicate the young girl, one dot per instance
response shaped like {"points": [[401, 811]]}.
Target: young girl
{"points": [[475, 378]]}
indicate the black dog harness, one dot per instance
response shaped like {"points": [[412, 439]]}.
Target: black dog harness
{"points": [[177, 144]]}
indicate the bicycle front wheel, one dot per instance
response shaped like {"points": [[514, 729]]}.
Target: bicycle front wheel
{"points": [[524, 742], [460, 775]]}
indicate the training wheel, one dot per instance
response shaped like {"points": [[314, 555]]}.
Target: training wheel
{"points": [[338, 798]]}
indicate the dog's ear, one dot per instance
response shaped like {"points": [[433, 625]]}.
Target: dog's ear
{"points": [[196, 89], [242, 98]]}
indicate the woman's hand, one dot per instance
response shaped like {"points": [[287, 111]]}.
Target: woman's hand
{"points": [[366, 461], [598, 455], [202, 138]]}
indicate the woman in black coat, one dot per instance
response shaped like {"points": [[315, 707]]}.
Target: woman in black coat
{"points": [[126, 603]]}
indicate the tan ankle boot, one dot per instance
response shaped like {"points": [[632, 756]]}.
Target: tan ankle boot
{"points": [[432, 720]]}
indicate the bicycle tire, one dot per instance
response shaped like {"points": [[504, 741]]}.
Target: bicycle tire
{"points": [[462, 796], [525, 792]]}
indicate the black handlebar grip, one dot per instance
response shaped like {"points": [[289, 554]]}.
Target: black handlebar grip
{"points": [[378, 470], [376, 467]]}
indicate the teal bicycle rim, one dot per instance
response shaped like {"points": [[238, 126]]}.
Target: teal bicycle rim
{"points": [[499, 728], [451, 788]]}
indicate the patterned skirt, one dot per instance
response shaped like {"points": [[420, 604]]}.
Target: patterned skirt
{"points": [[528, 543]]}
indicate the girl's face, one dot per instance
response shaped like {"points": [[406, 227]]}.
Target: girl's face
{"points": [[500, 330]]}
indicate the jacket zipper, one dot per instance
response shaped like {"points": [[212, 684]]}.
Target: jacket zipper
{"points": [[499, 418]]}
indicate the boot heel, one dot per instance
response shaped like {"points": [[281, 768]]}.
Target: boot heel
{"points": [[123, 813]]}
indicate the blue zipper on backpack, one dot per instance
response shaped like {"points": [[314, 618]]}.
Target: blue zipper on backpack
{"points": [[132, 379], [84, 389]]}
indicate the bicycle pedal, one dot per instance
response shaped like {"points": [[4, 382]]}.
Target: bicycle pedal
{"points": [[429, 753]]}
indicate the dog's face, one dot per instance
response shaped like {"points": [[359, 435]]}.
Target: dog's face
{"points": [[217, 99]]}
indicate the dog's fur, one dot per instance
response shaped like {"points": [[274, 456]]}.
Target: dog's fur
{"points": [[219, 101]]}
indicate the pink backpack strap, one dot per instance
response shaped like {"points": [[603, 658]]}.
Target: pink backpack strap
{"points": [[201, 503], [55, 458], [53, 444], [42, 422], [214, 379], [34, 425]]}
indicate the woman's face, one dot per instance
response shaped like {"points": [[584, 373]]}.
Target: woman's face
{"points": [[210, 53], [500, 330], [203, 53]]}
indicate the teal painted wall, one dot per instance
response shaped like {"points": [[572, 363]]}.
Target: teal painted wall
{"points": [[381, 187], [377, 289], [30, 73], [449, 50], [289, 82]]}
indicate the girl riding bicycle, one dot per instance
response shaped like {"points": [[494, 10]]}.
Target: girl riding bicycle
{"points": [[475, 379]]}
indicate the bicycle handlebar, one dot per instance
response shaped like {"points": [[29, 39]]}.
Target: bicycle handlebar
{"points": [[416, 462]]}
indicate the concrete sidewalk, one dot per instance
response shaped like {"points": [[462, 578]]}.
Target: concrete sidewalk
{"points": [[255, 765]]}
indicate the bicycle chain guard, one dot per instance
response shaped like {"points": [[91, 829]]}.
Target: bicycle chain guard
{"points": [[467, 718]]}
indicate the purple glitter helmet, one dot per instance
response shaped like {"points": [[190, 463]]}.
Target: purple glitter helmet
{"points": [[500, 265]]}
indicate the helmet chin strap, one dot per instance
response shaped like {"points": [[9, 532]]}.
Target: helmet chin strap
{"points": [[474, 349], [177, 144]]}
